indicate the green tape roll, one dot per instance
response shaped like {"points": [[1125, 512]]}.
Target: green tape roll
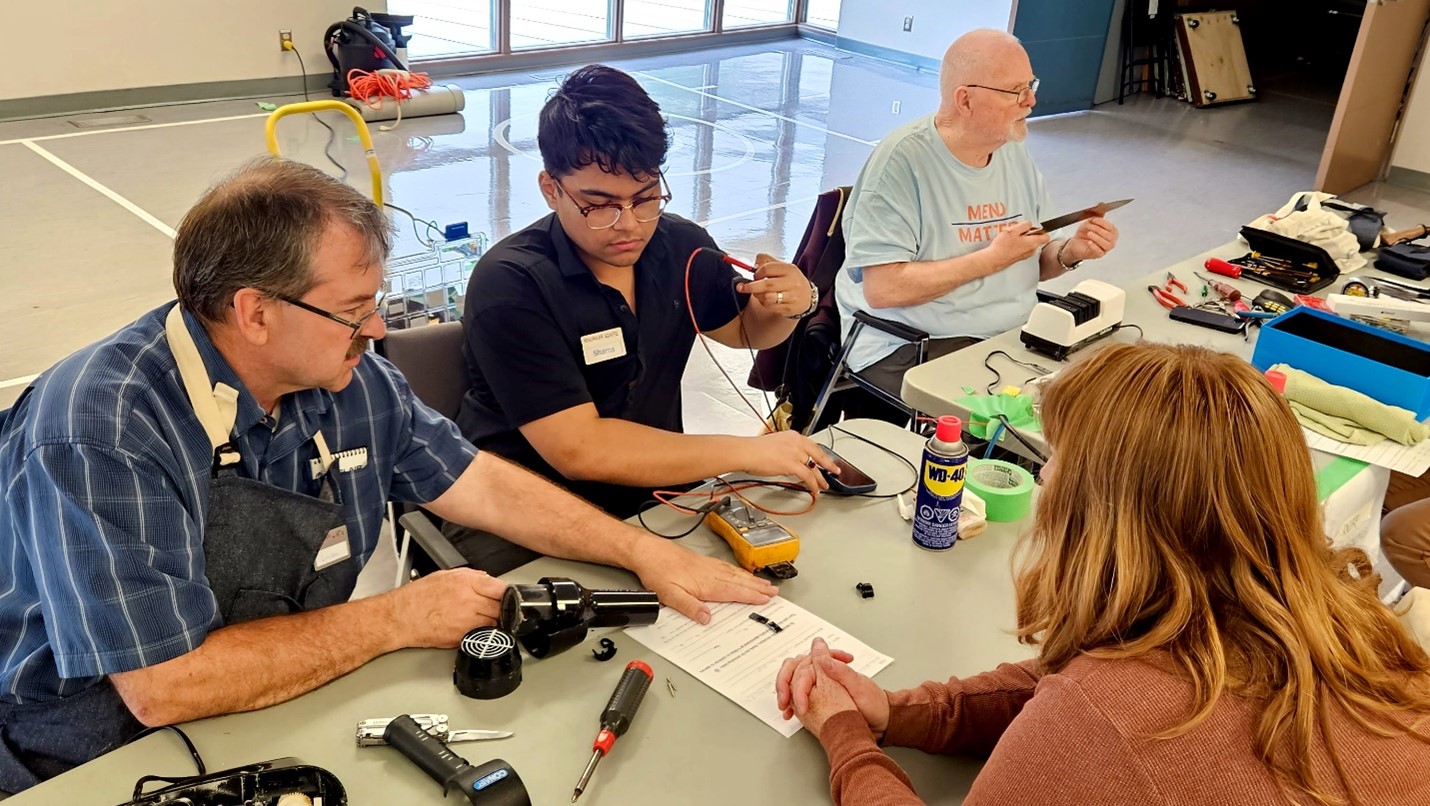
{"points": [[1007, 488]]}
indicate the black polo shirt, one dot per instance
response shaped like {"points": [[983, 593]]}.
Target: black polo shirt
{"points": [[529, 304]]}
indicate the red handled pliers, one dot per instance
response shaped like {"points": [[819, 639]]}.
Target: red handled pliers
{"points": [[1164, 295]]}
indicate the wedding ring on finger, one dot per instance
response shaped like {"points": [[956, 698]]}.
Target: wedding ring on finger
{"points": [[779, 297]]}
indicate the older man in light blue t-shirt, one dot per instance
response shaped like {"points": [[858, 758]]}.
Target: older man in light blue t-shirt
{"points": [[941, 227]]}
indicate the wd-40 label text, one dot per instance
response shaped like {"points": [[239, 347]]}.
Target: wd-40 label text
{"points": [[939, 503]]}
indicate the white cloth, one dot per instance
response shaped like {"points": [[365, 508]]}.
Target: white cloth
{"points": [[914, 201], [1317, 226]]}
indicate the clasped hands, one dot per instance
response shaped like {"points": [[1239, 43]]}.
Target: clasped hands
{"points": [[820, 684]]}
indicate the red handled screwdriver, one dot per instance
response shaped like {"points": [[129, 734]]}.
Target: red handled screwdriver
{"points": [[1226, 292], [1216, 266], [617, 717], [1223, 290]]}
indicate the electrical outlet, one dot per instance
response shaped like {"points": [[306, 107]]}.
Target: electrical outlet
{"points": [[897, 106], [908, 23], [285, 39]]}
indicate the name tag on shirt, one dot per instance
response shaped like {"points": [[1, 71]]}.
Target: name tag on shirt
{"points": [[343, 462], [603, 346], [335, 549]]}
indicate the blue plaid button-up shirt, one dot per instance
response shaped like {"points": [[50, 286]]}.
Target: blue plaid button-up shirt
{"points": [[104, 482]]}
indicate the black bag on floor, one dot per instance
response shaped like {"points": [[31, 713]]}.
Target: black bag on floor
{"points": [[1405, 259]]}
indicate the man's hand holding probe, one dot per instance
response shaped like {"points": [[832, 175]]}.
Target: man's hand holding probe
{"points": [[779, 287]]}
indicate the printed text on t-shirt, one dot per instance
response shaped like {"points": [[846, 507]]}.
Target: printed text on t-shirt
{"points": [[984, 222]]}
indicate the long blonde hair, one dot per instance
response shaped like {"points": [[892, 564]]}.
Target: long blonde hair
{"points": [[1181, 515]]}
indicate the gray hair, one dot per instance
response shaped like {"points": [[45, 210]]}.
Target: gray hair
{"points": [[970, 57], [258, 228]]}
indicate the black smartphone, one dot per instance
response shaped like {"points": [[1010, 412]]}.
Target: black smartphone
{"points": [[850, 480], [1211, 319]]}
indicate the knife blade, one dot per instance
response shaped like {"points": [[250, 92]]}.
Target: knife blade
{"points": [[476, 735], [1095, 211], [370, 732]]}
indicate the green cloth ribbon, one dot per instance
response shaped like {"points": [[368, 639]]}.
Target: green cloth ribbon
{"points": [[984, 411]]}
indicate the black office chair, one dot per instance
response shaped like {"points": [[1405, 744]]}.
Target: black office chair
{"points": [[430, 357], [808, 371]]}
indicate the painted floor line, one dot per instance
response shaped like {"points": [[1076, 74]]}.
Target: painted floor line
{"points": [[93, 183], [171, 124], [816, 127]]}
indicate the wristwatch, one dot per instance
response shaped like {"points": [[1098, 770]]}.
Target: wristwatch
{"points": [[1065, 266], [813, 304]]}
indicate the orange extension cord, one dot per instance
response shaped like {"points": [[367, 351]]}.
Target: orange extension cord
{"points": [[373, 89]]}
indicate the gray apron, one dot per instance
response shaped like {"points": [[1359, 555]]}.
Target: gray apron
{"points": [[267, 552]]}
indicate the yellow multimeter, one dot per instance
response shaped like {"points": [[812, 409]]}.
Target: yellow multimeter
{"points": [[760, 544]]}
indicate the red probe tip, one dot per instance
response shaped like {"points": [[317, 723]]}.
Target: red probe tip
{"points": [[734, 261]]}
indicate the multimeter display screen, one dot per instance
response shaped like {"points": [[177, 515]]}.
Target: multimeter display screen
{"points": [[766, 536]]}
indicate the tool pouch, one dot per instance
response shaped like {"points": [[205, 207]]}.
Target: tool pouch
{"points": [[1409, 260], [1303, 256]]}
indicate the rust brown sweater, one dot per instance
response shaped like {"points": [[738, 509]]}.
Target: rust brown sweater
{"points": [[1083, 736]]}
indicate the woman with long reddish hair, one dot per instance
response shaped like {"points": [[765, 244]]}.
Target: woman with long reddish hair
{"points": [[1198, 640]]}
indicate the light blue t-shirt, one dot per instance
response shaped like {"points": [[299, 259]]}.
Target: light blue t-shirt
{"points": [[914, 201]]}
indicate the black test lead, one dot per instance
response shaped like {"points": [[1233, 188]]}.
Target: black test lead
{"points": [[621, 709]]}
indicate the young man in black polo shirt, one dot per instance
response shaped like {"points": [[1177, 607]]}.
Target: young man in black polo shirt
{"points": [[577, 329]]}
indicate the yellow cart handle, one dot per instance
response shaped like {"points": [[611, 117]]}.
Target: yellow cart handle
{"points": [[270, 130]]}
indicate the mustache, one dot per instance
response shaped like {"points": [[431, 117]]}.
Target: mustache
{"points": [[359, 346]]}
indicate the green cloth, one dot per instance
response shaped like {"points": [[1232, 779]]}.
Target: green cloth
{"points": [[984, 409], [265, 106], [1347, 415]]}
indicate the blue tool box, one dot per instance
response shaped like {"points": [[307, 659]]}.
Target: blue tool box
{"points": [[1389, 367]]}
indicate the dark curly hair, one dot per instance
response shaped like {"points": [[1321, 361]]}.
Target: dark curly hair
{"points": [[600, 115]]}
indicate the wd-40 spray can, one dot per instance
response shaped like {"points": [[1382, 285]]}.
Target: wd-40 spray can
{"points": [[941, 487]]}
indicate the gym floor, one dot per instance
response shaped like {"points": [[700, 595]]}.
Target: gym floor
{"points": [[758, 132]]}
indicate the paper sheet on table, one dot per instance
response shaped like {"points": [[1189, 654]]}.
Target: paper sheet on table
{"points": [[1410, 460], [739, 657]]}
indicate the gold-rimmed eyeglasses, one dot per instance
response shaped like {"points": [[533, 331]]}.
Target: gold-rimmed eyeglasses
{"points": [[604, 216]]}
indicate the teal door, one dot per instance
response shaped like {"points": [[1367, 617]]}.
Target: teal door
{"points": [[1065, 41]]}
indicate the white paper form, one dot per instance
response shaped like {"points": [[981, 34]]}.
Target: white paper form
{"points": [[1410, 460], [739, 657]]}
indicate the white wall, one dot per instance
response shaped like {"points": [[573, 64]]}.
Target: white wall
{"points": [[56, 47], [936, 22], [1412, 142]]}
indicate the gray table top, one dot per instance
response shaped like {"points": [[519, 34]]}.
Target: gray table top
{"points": [[935, 386], [937, 614]]}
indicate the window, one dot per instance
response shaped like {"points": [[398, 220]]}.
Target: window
{"points": [[553, 23], [665, 17], [449, 28], [745, 13], [823, 14]]}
